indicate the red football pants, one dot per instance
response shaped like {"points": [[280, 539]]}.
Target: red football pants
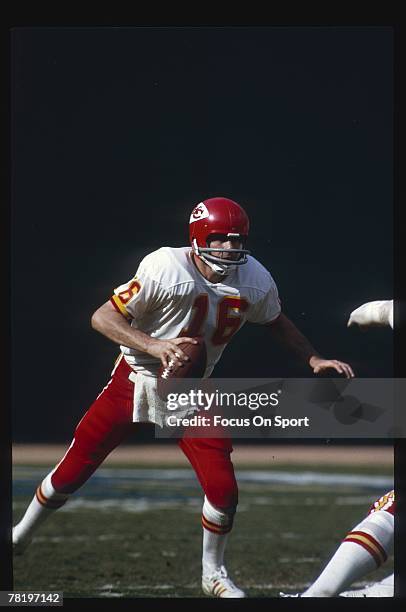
{"points": [[109, 421]]}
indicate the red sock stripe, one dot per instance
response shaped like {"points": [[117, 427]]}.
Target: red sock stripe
{"points": [[369, 543], [377, 559], [374, 542], [216, 526], [219, 529], [52, 504]]}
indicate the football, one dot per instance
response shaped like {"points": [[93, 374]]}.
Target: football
{"points": [[194, 368], [174, 379]]}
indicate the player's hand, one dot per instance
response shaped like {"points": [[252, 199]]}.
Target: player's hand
{"points": [[318, 365], [372, 314], [168, 351]]}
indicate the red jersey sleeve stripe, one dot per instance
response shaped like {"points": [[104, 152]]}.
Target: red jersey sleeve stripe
{"points": [[119, 306]]}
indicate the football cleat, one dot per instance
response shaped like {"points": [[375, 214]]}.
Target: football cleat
{"points": [[371, 590], [218, 584], [19, 543]]}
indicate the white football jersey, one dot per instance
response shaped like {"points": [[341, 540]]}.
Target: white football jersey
{"points": [[168, 297]]}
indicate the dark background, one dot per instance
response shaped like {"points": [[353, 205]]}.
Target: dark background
{"points": [[118, 132]]}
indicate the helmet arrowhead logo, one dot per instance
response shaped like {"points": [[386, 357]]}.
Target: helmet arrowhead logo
{"points": [[199, 212]]}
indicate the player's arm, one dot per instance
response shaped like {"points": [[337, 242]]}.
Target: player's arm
{"points": [[112, 324], [285, 332]]}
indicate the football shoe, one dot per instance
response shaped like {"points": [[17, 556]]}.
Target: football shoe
{"points": [[218, 584]]}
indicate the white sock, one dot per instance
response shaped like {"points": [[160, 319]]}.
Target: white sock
{"points": [[45, 501], [216, 526], [364, 549]]}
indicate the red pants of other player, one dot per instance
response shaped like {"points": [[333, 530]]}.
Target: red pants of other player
{"points": [[109, 421], [387, 503]]}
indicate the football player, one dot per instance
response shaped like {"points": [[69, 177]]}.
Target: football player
{"points": [[210, 288], [369, 543]]}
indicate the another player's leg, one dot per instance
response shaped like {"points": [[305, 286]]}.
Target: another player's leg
{"points": [[211, 461], [383, 588], [103, 427], [364, 549]]}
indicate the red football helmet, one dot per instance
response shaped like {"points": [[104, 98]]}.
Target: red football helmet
{"points": [[218, 217]]}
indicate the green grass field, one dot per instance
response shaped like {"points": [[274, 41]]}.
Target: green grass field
{"points": [[137, 533]]}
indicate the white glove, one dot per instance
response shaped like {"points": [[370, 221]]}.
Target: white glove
{"points": [[379, 313]]}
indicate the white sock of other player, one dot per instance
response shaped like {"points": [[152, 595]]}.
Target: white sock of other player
{"points": [[45, 501], [383, 588], [388, 581], [216, 527], [363, 549]]}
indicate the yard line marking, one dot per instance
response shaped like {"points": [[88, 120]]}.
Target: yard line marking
{"points": [[78, 538], [155, 587], [193, 505], [244, 476], [107, 587], [299, 560], [268, 586], [125, 505]]}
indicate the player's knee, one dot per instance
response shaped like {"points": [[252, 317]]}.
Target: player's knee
{"points": [[380, 526], [223, 493], [384, 519], [64, 482], [74, 471], [49, 495]]}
